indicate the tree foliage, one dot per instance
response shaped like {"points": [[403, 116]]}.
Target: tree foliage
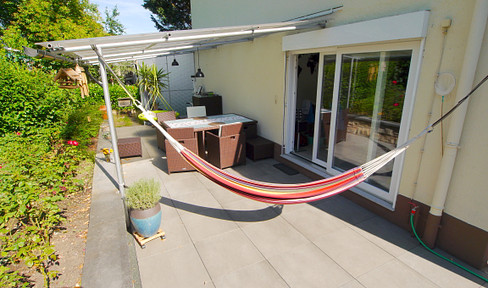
{"points": [[38, 21], [9, 7], [170, 14], [112, 25]]}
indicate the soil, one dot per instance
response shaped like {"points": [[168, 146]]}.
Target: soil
{"points": [[70, 241]]}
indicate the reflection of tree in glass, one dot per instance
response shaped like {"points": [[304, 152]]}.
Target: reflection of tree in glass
{"points": [[358, 86]]}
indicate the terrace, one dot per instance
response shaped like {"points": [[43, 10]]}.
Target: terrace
{"points": [[215, 238]]}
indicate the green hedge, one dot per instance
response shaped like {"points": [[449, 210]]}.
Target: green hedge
{"points": [[116, 92], [29, 99], [45, 133]]}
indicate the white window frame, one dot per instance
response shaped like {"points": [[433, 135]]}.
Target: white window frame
{"points": [[412, 37]]}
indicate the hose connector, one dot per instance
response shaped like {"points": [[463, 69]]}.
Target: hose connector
{"points": [[414, 208]]}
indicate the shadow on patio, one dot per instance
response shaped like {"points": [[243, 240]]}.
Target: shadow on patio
{"points": [[215, 238]]}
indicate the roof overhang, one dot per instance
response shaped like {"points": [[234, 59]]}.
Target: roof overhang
{"points": [[140, 46]]}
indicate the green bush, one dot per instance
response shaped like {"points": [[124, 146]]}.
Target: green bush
{"points": [[38, 165], [29, 99], [116, 92], [83, 124], [36, 171]]}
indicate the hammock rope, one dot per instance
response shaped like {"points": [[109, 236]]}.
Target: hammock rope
{"points": [[275, 193]]}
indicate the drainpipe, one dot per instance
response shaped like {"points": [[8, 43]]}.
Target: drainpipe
{"points": [[471, 56]]}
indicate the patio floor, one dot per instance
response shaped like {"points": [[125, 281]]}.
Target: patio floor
{"points": [[215, 238]]}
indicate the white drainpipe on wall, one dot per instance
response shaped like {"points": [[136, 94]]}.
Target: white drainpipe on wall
{"points": [[471, 56]]}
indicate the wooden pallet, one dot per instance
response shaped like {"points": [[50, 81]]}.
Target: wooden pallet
{"points": [[143, 240]]}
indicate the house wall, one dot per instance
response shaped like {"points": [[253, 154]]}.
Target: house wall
{"points": [[251, 78]]}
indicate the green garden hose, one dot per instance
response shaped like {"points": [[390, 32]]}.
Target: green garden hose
{"points": [[412, 213]]}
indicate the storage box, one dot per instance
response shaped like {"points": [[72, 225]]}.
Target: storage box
{"points": [[259, 148], [129, 147]]}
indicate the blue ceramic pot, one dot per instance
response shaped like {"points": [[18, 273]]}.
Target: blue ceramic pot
{"points": [[146, 222]]}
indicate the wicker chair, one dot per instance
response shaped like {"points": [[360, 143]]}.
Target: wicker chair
{"points": [[185, 136], [228, 148], [163, 116]]}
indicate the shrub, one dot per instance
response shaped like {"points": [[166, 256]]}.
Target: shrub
{"points": [[116, 92], [83, 124], [29, 99], [37, 165]]}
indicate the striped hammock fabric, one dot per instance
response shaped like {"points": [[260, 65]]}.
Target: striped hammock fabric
{"points": [[284, 193], [287, 193]]}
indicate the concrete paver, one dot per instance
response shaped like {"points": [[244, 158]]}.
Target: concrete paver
{"points": [[215, 238]]}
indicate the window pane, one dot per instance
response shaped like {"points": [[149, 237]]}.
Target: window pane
{"points": [[371, 96], [326, 106]]}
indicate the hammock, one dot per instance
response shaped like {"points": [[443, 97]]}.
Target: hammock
{"points": [[286, 193]]}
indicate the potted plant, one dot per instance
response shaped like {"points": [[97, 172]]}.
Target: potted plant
{"points": [[145, 211], [152, 81]]}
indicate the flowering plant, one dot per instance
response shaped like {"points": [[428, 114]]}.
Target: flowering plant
{"points": [[107, 152]]}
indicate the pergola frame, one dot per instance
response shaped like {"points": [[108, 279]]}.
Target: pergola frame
{"points": [[113, 49]]}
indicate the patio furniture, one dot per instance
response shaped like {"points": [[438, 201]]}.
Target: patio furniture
{"points": [[196, 111], [228, 147], [129, 147], [212, 103], [259, 148], [186, 136], [200, 125], [161, 117]]}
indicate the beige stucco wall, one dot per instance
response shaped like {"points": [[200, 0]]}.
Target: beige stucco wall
{"points": [[251, 78]]}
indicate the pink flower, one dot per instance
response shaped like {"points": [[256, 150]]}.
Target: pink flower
{"points": [[395, 104], [18, 133], [70, 142], [394, 82], [75, 143]]}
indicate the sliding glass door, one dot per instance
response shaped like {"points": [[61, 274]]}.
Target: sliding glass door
{"points": [[359, 109]]}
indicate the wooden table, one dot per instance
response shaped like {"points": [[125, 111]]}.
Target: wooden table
{"points": [[202, 124]]}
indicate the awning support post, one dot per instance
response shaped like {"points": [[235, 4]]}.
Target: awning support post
{"points": [[113, 134]]}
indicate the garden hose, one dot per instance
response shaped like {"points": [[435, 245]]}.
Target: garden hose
{"points": [[412, 213]]}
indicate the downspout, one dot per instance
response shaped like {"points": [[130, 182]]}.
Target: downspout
{"points": [[471, 57]]}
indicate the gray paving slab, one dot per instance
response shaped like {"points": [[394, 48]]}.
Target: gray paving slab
{"points": [[395, 274], [227, 252], [259, 275], [215, 238], [352, 251], [308, 266]]}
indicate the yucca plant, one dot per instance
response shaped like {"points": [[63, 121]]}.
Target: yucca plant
{"points": [[152, 80]]}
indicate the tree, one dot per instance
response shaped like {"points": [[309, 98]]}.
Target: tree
{"points": [[112, 25], [9, 7], [40, 20], [170, 14]]}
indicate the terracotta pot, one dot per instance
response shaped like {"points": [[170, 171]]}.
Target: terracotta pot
{"points": [[146, 222], [103, 108]]}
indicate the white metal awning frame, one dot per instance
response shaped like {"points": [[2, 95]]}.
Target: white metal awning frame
{"points": [[142, 46], [112, 49]]}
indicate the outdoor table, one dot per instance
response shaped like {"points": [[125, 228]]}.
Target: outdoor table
{"points": [[202, 124]]}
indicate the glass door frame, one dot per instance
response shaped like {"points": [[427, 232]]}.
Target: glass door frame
{"points": [[386, 198]]}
